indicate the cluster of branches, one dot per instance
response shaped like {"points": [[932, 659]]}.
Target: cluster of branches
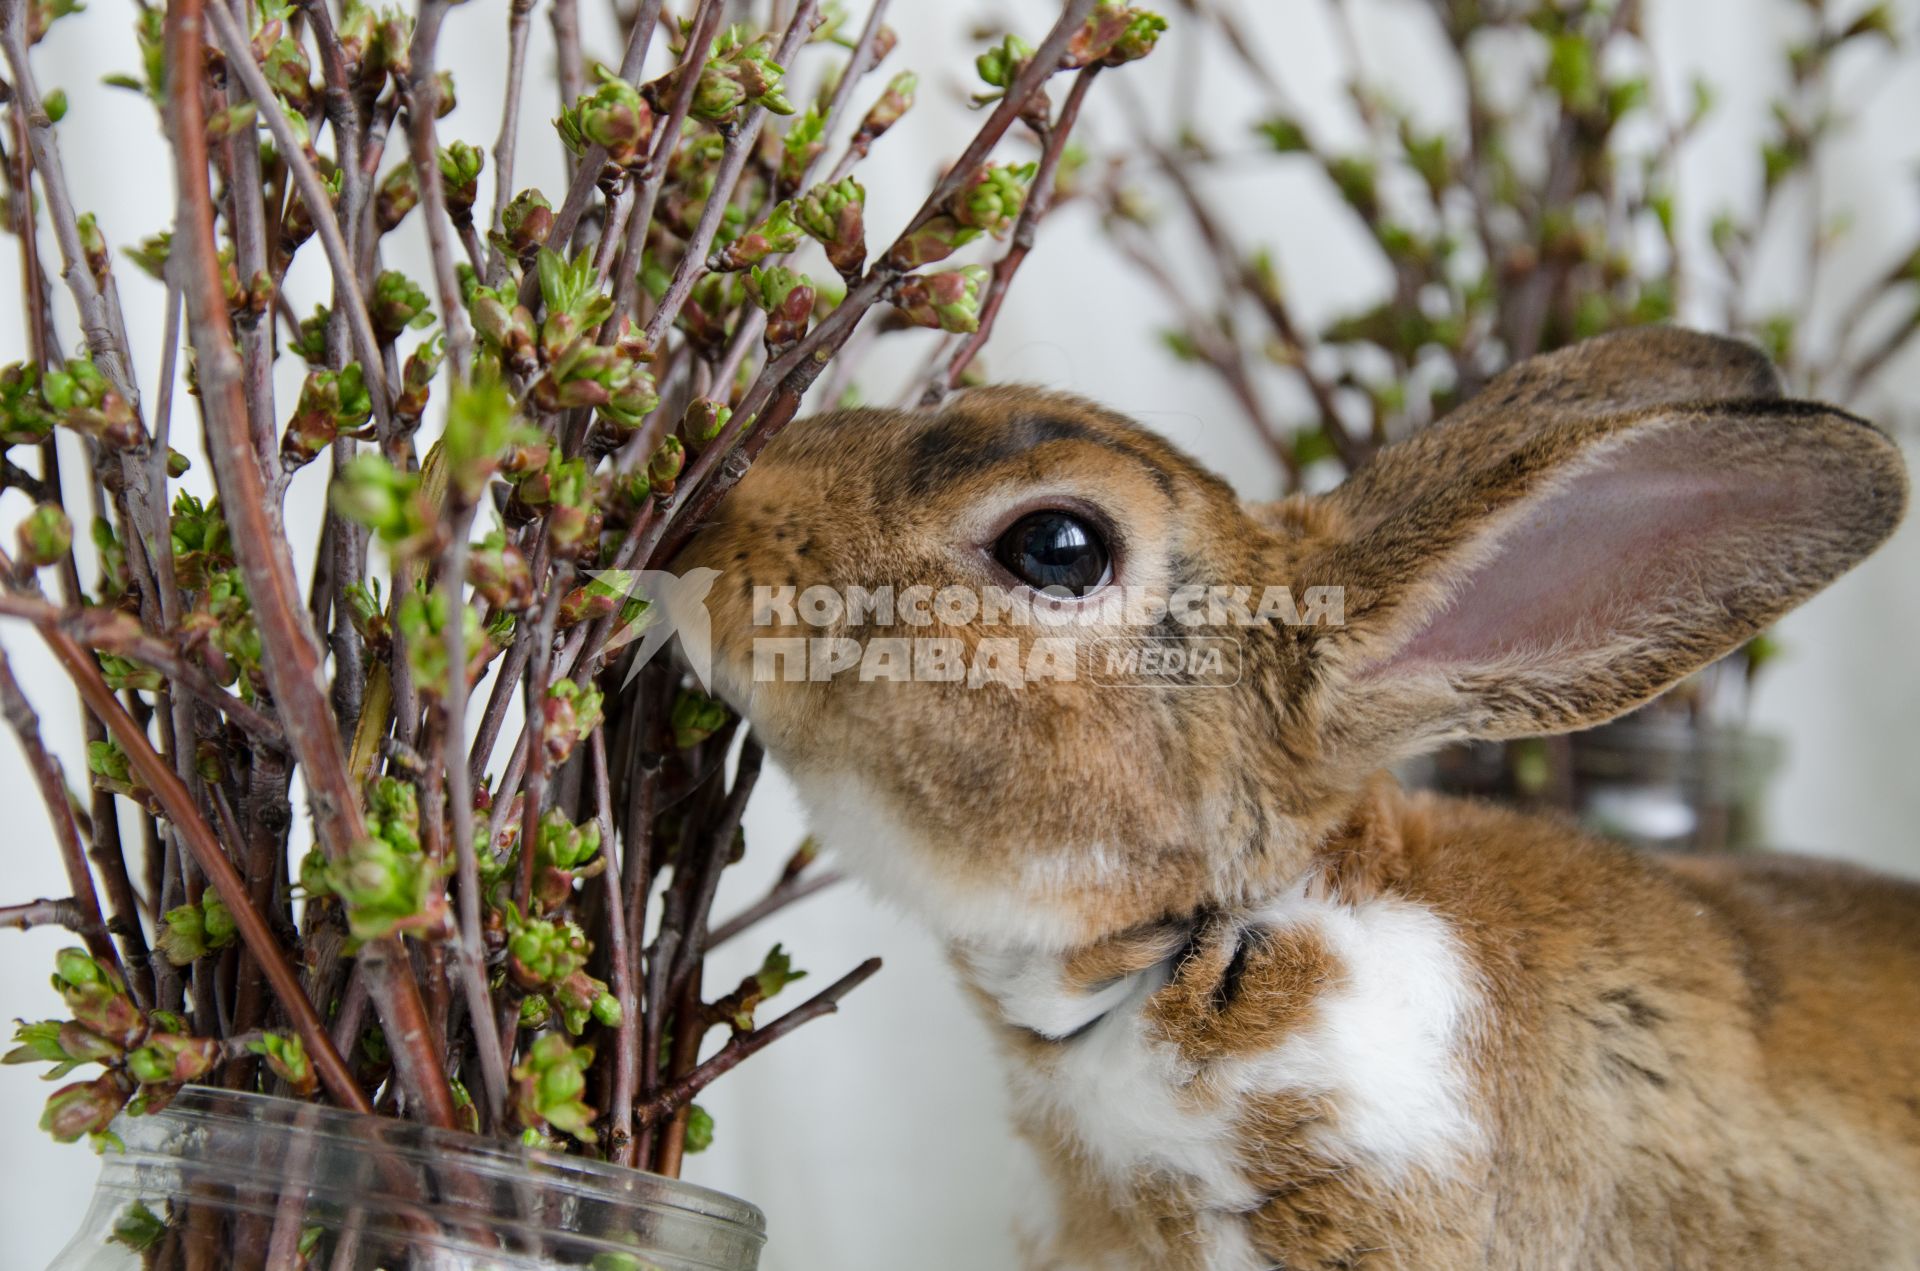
{"points": [[1548, 216], [497, 932]]}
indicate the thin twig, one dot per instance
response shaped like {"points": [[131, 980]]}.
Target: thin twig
{"points": [[743, 1045], [319, 207]]}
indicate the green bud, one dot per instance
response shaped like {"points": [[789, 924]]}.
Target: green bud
{"points": [[1000, 66], [525, 224], [777, 234], [55, 104], [835, 215], [139, 1228], [705, 420], [84, 1108], [287, 1059], [399, 193], [169, 1059], [696, 717], [460, 165], [613, 116], [699, 1136], [397, 305], [800, 145], [949, 300], [45, 536], [664, 468], [992, 198], [548, 1086], [571, 714]]}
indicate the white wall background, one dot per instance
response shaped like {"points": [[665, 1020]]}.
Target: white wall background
{"points": [[875, 1139]]}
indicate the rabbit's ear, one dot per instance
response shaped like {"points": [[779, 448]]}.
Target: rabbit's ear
{"points": [[1609, 375], [1562, 575]]}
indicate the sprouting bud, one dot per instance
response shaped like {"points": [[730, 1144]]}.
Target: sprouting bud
{"points": [[992, 197], [65, 1045], [84, 401], [696, 717], [287, 1059], [398, 194], [1114, 33], [800, 145], [835, 215], [1000, 66], [664, 468], [397, 304], [331, 402], [83, 1108], [704, 420], [895, 102], [384, 889], [168, 1059], [416, 380], [524, 225], [150, 254], [290, 73], [390, 51], [949, 299], [571, 289], [498, 573], [445, 98], [548, 1087], [123, 674], [699, 1132], [778, 290], [423, 621], [777, 234], [374, 493], [25, 418], [460, 166], [193, 931], [45, 536], [571, 714], [93, 245], [55, 104], [741, 73], [579, 997], [96, 996], [940, 237], [310, 342], [480, 426], [631, 397], [613, 116]]}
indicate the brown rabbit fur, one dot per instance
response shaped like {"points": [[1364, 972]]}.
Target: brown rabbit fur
{"points": [[1262, 1008]]}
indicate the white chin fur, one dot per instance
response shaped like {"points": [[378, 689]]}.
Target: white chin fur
{"points": [[878, 846]]}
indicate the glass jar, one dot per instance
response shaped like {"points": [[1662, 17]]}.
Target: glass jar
{"points": [[221, 1181]]}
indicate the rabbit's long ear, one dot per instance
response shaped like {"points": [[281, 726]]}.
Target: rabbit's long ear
{"points": [[1609, 375], [1564, 573]]}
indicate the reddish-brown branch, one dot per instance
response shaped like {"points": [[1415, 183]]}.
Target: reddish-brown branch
{"points": [[292, 662], [786, 892], [255, 934]]}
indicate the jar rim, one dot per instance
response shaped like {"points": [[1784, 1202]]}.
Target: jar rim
{"points": [[608, 1181]]}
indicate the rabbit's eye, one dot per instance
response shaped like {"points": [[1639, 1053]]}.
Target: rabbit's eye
{"points": [[1057, 551]]}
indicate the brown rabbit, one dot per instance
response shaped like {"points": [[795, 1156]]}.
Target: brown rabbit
{"points": [[1262, 1008]]}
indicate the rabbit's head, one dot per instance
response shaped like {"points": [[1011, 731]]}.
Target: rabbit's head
{"points": [[1043, 678]]}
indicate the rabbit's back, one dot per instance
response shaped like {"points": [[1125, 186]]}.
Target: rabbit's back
{"points": [[1475, 1039]]}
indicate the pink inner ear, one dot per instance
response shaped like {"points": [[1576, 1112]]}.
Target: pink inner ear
{"points": [[1585, 567]]}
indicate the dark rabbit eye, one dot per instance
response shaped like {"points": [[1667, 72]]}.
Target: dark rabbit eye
{"points": [[1055, 550]]}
